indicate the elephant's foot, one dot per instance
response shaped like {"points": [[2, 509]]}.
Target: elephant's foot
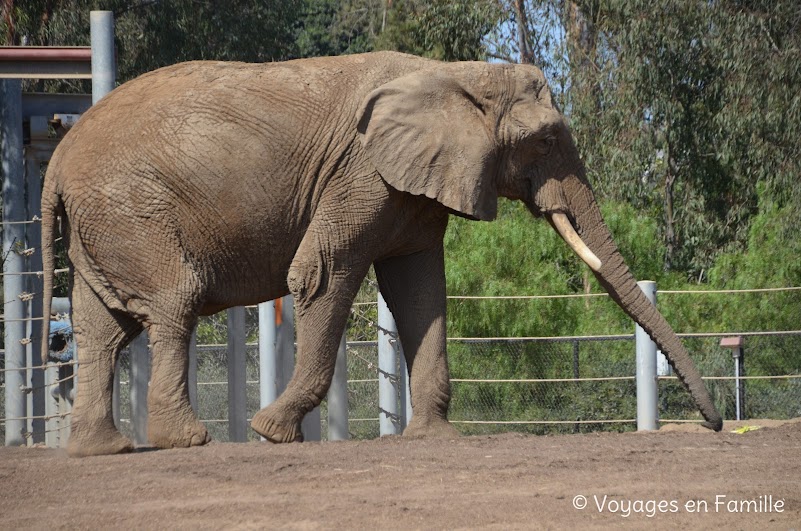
{"points": [[275, 425], [173, 431], [432, 428], [103, 441]]}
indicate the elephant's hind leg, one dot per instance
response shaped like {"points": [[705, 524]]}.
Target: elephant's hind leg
{"points": [[172, 423], [100, 334]]}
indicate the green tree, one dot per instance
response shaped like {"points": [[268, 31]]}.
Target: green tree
{"points": [[155, 33], [686, 132], [333, 27], [449, 30]]}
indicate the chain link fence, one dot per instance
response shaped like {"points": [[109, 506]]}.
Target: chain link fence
{"points": [[539, 386], [542, 385], [530, 385], [587, 384]]}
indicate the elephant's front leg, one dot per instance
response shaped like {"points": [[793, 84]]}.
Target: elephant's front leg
{"points": [[414, 288], [324, 277]]}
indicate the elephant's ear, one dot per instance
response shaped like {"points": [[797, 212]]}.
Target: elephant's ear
{"points": [[426, 135]]}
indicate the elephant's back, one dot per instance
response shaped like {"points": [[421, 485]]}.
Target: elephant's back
{"points": [[229, 158], [212, 111]]}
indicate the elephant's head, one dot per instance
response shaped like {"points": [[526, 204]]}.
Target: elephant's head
{"points": [[464, 133]]}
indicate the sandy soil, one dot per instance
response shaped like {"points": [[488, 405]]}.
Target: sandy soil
{"points": [[678, 477]]}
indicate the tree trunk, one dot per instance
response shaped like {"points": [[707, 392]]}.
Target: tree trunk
{"points": [[582, 38], [523, 34]]}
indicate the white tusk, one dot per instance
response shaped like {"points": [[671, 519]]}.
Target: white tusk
{"points": [[575, 242]]}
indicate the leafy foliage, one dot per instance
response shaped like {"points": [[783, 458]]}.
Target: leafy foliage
{"points": [[332, 27], [155, 33], [449, 30], [687, 114]]}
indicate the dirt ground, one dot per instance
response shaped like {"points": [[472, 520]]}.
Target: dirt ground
{"points": [[682, 476]]}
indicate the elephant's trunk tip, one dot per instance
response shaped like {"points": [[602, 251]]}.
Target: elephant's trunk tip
{"points": [[714, 424]]}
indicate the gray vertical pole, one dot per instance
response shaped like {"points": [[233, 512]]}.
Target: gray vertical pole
{"points": [[277, 360], [69, 375], [56, 399], [405, 389], [115, 395], [140, 381], [52, 392], [192, 370], [276, 349], [663, 367], [104, 67], [737, 386], [268, 359], [237, 376], [338, 397], [647, 390], [36, 398], [13, 264], [104, 73], [285, 342], [387, 371], [739, 383]]}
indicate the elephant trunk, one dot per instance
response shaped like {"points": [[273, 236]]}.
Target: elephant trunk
{"points": [[614, 275]]}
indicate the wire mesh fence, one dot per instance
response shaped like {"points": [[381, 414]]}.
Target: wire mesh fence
{"points": [[538, 385], [772, 379], [530, 385], [542, 385], [588, 384]]}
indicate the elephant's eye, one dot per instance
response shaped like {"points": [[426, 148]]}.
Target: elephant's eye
{"points": [[545, 145]]}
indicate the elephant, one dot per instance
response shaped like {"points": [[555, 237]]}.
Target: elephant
{"points": [[206, 185]]}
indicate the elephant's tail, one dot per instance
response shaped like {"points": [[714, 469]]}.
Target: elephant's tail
{"points": [[52, 209]]}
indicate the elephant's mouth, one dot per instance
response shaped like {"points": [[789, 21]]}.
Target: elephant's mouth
{"points": [[562, 224]]}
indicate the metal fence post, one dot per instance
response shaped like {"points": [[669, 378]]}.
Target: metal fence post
{"points": [[389, 416], [285, 341], [57, 392], [269, 371], [104, 74], [736, 345], [140, 381], [115, 395], [53, 423], [647, 391], [276, 348], [237, 376], [191, 372], [576, 375], [69, 382], [33, 238], [13, 263], [104, 68], [338, 397], [405, 389], [277, 358]]}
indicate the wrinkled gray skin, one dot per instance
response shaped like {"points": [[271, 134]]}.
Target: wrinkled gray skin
{"points": [[207, 185]]}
